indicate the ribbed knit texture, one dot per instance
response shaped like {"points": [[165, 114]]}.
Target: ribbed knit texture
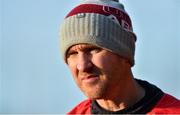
{"points": [[99, 30]]}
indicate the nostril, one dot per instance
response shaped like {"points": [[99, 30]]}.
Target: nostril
{"points": [[84, 66]]}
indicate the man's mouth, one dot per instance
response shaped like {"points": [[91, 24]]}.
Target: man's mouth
{"points": [[90, 79]]}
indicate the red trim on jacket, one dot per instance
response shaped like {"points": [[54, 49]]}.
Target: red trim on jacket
{"points": [[167, 105], [82, 108]]}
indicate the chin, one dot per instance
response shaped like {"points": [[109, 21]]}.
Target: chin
{"points": [[94, 92], [94, 96]]}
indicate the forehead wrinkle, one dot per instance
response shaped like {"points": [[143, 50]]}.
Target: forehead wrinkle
{"points": [[82, 47]]}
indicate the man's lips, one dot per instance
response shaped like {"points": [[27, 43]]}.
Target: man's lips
{"points": [[90, 78]]}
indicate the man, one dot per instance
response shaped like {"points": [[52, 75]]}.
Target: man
{"points": [[98, 45]]}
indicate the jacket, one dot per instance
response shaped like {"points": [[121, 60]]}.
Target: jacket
{"points": [[166, 105]]}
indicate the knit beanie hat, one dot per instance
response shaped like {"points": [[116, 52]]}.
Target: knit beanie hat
{"points": [[103, 23]]}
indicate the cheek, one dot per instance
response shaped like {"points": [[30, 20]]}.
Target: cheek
{"points": [[103, 63], [106, 60], [108, 64], [73, 71]]}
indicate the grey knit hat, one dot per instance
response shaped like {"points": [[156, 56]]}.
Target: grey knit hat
{"points": [[103, 23]]}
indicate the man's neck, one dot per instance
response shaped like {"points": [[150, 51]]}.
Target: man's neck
{"points": [[132, 94]]}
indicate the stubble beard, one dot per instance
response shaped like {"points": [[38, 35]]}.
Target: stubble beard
{"points": [[94, 91]]}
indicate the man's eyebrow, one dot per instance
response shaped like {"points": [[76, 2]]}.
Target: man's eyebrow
{"points": [[83, 48], [71, 50]]}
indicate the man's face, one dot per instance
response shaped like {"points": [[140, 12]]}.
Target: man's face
{"points": [[96, 71]]}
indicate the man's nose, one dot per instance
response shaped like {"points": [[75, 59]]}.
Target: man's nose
{"points": [[84, 63]]}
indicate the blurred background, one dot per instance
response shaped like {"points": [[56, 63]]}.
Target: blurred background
{"points": [[33, 76]]}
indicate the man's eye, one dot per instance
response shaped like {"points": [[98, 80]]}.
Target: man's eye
{"points": [[71, 53], [95, 50]]}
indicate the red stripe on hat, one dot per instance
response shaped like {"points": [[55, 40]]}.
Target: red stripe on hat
{"points": [[121, 16]]}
